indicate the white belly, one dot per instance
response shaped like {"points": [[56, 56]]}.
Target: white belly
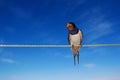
{"points": [[75, 39]]}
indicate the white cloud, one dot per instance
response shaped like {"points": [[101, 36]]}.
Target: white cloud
{"points": [[90, 65], [100, 30], [95, 25], [6, 60], [107, 78]]}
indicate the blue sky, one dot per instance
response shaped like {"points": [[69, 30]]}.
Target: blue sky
{"points": [[44, 22]]}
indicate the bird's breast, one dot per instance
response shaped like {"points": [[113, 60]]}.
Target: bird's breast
{"points": [[75, 39]]}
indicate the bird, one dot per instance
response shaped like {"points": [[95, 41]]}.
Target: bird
{"points": [[75, 36]]}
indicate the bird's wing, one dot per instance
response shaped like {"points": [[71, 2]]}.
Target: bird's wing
{"points": [[69, 39], [81, 34]]}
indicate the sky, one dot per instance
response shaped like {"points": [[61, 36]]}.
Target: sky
{"points": [[44, 22]]}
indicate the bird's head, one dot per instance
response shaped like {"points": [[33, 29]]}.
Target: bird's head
{"points": [[71, 26]]}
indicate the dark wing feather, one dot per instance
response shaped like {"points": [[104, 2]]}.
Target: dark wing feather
{"points": [[82, 36], [68, 39]]}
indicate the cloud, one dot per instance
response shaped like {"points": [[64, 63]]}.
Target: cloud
{"points": [[7, 60], [95, 25], [90, 65], [107, 78], [100, 30]]}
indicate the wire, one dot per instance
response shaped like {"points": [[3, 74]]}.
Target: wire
{"points": [[53, 45]]}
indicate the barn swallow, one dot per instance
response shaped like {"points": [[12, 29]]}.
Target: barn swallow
{"points": [[74, 39]]}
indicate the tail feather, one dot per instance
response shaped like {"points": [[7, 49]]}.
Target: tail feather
{"points": [[78, 57], [74, 60]]}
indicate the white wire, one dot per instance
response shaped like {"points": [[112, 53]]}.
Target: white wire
{"points": [[53, 45]]}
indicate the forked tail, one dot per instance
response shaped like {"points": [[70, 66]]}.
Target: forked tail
{"points": [[77, 58], [74, 59]]}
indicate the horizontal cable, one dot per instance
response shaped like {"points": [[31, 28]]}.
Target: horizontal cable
{"points": [[57, 45]]}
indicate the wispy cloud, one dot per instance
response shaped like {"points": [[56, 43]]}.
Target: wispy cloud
{"points": [[100, 30], [89, 65], [7, 60], [107, 78], [95, 25]]}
